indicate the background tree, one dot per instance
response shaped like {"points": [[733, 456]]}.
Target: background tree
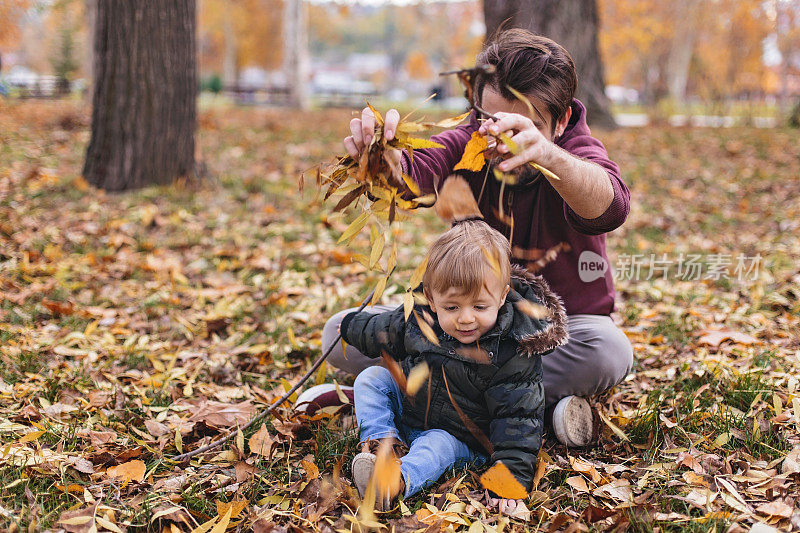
{"points": [[11, 11], [295, 52], [239, 33], [635, 43], [713, 49], [572, 24], [144, 100], [63, 60], [787, 30]]}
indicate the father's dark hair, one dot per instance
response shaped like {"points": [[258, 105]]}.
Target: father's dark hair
{"points": [[533, 65]]}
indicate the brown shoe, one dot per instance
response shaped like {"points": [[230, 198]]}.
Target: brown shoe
{"points": [[364, 466]]}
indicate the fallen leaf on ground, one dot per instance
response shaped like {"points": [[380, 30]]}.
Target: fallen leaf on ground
{"points": [[130, 471], [718, 336], [261, 442]]}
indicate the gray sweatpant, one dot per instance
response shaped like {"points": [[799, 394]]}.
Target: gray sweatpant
{"points": [[597, 356]]}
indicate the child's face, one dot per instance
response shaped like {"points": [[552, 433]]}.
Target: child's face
{"points": [[465, 317]]}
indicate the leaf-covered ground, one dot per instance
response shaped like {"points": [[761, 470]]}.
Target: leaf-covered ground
{"points": [[136, 326]]}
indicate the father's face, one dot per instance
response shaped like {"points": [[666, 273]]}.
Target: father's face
{"points": [[493, 102]]}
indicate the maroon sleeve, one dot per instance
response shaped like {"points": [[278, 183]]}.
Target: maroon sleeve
{"points": [[430, 166], [590, 149]]}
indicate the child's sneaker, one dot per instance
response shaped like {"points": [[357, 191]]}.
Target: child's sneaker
{"points": [[573, 422], [363, 467]]}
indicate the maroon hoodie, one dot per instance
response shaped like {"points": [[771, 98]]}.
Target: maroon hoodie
{"points": [[542, 220]]}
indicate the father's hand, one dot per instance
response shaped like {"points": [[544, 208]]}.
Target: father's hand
{"points": [[531, 143], [363, 130]]}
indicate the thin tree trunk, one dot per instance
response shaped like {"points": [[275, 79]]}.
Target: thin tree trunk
{"points": [[88, 51], [295, 52], [574, 25], [144, 100], [682, 47], [230, 53]]}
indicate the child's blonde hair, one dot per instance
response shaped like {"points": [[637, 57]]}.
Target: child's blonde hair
{"points": [[465, 256]]}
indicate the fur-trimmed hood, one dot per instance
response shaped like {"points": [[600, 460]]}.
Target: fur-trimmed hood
{"points": [[541, 335]]}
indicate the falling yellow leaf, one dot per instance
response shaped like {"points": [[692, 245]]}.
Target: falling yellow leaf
{"points": [[394, 369], [544, 171], [261, 442], [456, 201], [473, 158], [474, 353], [531, 309], [387, 471], [502, 482], [524, 99], [427, 200], [417, 377], [130, 471], [493, 262], [408, 303], [426, 329], [419, 272], [505, 177]]}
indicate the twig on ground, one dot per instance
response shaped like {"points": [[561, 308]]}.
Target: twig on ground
{"points": [[259, 417]]}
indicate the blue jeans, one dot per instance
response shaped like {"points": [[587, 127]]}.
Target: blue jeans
{"points": [[431, 452]]}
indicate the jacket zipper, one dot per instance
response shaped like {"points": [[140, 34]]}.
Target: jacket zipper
{"points": [[509, 208]]}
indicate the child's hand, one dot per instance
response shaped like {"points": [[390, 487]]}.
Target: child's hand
{"points": [[505, 506]]}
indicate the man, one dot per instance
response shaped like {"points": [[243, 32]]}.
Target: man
{"points": [[567, 217]]}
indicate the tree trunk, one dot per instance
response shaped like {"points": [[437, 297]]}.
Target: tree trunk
{"points": [[295, 52], [88, 50], [145, 87], [230, 53], [574, 25], [682, 47]]}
